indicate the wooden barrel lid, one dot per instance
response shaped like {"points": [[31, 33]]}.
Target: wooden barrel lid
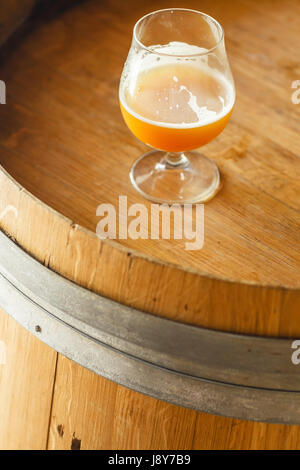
{"points": [[64, 142]]}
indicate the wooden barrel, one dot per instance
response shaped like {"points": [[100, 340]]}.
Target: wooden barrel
{"points": [[148, 345]]}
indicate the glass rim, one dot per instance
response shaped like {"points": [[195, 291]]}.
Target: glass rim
{"points": [[220, 28]]}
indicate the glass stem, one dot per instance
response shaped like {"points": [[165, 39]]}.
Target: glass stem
{"points": [[176, 160]]}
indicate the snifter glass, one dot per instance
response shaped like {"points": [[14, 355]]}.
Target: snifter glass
{"points": [[176, 95]]}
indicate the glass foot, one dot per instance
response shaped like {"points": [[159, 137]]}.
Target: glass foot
{"points": [[184, 178]]}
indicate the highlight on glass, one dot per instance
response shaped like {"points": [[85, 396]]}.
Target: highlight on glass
{"points": [[176, 95]]}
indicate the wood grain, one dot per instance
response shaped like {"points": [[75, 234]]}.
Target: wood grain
{"points": [[26, 388], [63, 140], [113, 417], [12, 15], [102, 415]]}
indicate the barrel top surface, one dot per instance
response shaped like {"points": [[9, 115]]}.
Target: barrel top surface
{"points": [[63, 138]]}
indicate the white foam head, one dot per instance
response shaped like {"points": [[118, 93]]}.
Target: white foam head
{"points": [[177, 53]]}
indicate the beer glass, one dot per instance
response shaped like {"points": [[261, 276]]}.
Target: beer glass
{"points": [[176, 95]]}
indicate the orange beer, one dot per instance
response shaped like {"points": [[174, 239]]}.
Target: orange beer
{"points": [[177, 107]]}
